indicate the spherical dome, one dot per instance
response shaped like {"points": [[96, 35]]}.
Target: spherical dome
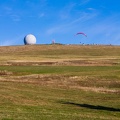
{"points": [[30, 39]]}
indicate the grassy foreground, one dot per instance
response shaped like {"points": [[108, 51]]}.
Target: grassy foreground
{"points": [[57, 82]]}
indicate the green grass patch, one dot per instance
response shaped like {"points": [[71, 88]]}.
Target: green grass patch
{"points": [[108, 71], [30, 101]]}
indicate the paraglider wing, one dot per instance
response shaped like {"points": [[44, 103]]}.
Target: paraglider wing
{"points": [[81, 33]]}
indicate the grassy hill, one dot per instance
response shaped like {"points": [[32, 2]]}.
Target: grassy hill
{"points": [[68, 82], [56, 53]]}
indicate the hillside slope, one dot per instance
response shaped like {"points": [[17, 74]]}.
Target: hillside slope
{"points": [[60, 55], [60, 82]]}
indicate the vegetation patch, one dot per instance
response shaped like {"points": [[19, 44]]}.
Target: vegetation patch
{"points": [[54, 82], [5, 72]]}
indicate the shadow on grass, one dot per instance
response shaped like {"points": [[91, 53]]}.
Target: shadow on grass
{"points": [[92, 106]]}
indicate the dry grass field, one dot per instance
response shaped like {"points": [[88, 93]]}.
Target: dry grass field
{"points": [[60, 55], [68, 82]]}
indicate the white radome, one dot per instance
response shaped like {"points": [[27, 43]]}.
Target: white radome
{"points": [[29, 39]]}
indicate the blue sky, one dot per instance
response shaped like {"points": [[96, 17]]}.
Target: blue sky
{"points": [[60, 20]]}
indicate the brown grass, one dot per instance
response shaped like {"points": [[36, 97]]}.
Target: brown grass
{"points": [[78, 55], [5, 72], [65, 82]]}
